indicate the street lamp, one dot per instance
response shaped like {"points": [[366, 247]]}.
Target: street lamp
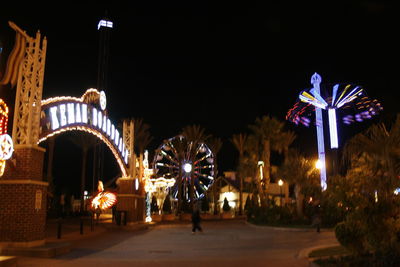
{"points": [[280, 183], [261, 165], [318, 164]]}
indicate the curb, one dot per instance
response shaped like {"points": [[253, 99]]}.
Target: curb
{"points": [[287, 229], [8, 261], [303, 254]]}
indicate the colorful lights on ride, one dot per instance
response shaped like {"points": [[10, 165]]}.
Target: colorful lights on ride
{"points": [[6, 143], [348, 101], [153, 185], [103, 199]]}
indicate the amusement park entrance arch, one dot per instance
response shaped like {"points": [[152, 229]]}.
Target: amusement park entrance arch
{"points": [[23, 206], [61, 114]]}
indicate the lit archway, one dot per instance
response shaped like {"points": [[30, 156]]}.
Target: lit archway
{"points": [[87, 113]]}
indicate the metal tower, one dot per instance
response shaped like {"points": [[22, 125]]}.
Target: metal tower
{"points": [[104, 27]]}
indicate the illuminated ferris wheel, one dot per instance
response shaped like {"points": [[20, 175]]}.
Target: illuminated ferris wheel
{"points": [[191, 164]]}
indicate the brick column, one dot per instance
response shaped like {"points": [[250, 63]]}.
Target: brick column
{"points": [[130, 199], [23, 198]]}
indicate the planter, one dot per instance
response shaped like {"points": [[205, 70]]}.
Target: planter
{"points": [[207, 216], [168, 217], [226, 215], [185, 217], [156, 217]]}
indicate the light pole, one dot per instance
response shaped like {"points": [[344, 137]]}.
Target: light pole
{"points": [[261, 166], [280, 183], [318, 164]]}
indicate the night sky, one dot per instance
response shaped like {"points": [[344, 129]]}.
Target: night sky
{"points": [[217, 65]]}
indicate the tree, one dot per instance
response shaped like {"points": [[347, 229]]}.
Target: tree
{"points": [[142, 140], [379, 149], [225, 206], [205, 204], [301, 172], [154, 206], [239, 141], [374, 157], [248, 204], [49, 173], [142, 135], [215, 193], [215, 144], [267, 131], [194, 135], [167, 205], [179, 145], [284, 140], [85, 141]]}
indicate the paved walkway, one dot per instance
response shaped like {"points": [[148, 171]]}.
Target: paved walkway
{"points": [[71, 228], [223, 243]]}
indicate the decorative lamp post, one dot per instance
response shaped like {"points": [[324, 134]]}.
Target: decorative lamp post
{"points": [[260, 165], [318, 164], [280, 183]]}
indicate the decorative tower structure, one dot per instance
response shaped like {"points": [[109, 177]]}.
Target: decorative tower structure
{"points": [[104, 28], [23, 191], [131, 193]]}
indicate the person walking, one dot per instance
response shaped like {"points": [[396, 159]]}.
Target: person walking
{"points": [[196, 219], [317, 217]]}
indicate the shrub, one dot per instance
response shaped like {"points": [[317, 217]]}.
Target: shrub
{"points": [[205, 204], [350, 234], [186, 208], [167, 205], [226, 206], [154, 206], [248, 203]]}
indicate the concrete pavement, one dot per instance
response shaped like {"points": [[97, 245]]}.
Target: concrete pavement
{"points": [[223, 243]]}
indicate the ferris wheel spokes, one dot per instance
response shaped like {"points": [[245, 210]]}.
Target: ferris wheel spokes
{"points": [[191, 164]]}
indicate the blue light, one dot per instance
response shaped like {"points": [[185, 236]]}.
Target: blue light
{"points": [[333, 128]]}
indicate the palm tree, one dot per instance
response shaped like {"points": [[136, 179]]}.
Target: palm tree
{"points": [[215, 144], [179, 145], [248, 167], [142, 135], [377, 154], [301, 172], [85, 141], [49, 173], [267, 130], [239, 141], [285, 140], [374, 157], [142, 140], [194, 135]]}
